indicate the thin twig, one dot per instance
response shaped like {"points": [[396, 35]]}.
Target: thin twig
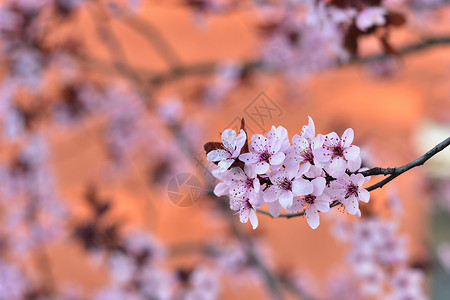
{"points": [[113, 46], [395, 172], [158, 41]]}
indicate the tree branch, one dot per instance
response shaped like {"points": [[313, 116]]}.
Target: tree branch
{"points": [[208, 68], [153, 35], [395, 172]]}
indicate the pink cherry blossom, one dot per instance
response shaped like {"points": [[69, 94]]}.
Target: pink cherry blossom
{"points": [[243, 183], [407, 283], [204, 284], [338, 152], [232, 144], [371, 16], [285, 184], [223, 187], [247, 209], [348, 190], [312, 203], [13, 283], [302, 151], [267, 151], [309, 131]]}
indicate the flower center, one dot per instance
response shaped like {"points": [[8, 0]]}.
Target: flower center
{"points": [[352, 189], [286, 184], [310, 199], [246, 205], [249, 183], [265, 157], [308, 156], [338, 151]]}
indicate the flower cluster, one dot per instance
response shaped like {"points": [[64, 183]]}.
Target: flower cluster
{"points": [[306, 175], [379, 259]]}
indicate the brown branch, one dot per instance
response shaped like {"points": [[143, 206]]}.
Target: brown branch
{"points": [[257, 65], [395, 172], [154, 36], [114, 46]]}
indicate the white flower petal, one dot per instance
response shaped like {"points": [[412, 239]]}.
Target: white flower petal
{"points": [[312, 217], [337, 167], [302, 187], [319, 186], [351, 153], [249, 158], [363, 195], [262, 167], [217, 155], [225, 164], [274, 208], [277, 158], [347, 137], [253, 218], [240, 140], [286, 199], [221, 189], [229, 139]]}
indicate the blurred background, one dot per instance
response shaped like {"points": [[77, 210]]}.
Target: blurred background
{"points": [[105, 106]]}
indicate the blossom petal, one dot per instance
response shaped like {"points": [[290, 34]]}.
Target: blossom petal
{"points": [[250, 171], [302, 187], [253, 218], [337, 166], [237, 174], [332, 139], [256, 185], [291, 171], [276, 138], [274, 208], [354, 165], [258, 144], [262, 167], [322, 154], [322, 204], [358, 179], [243, 215], [217, 155], [225, 164], [351, 153], [270, 195], [229, 139], [249, 158], [286, 199], [363, 195], [312, 217], [319, 185], [309, 131], [352, 205], [297, 205], [240, 140], [277, 159], [299, 143], [347, 137], [221, 189], [234, 204]]}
